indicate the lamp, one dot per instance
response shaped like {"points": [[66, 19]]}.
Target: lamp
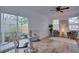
{"points": [[62, 32]]}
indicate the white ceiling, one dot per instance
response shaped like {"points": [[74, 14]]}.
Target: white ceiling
{"points": [[44, 10]]}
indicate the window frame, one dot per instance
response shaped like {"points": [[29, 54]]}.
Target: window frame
{"points": [[55, 24], [3, 26], [75, 24]]}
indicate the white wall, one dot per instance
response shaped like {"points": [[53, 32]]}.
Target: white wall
{"points": [[39, 24], [44, 27]]}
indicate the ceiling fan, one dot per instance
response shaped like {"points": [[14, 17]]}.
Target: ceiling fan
{"points": [[60, 9]]}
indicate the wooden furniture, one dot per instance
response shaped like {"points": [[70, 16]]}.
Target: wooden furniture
{"points": [[56, 33], [72, 34]]}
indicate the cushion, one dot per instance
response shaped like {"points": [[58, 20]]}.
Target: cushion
{"points": [[23, 42]]}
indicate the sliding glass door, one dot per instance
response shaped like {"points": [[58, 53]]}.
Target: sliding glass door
{"points": [[11, 25]]}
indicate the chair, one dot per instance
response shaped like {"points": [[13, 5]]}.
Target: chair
{"points": [[72, 34], [56, 33]]}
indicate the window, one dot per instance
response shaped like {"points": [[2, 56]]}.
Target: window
{"points": [[11, 25], [23, 26], [56, 24], [74, 23]]}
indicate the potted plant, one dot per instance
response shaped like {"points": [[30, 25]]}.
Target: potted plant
{"points": [[50, 29]]}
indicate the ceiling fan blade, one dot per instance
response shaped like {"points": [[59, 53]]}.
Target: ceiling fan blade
{"points": [[59, 7], [61, 11], [65, 8]]}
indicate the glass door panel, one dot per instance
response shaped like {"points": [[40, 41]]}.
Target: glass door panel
{"points": [[23, 26], [10, 26]]}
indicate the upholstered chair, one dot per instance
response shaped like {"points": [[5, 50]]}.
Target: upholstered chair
{"points": [[56, 33], [72, 34]]}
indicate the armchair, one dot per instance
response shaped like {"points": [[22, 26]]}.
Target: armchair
{"points": [[72, 34]]}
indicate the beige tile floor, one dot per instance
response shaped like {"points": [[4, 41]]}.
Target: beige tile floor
{"points": [[56, 45]]}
